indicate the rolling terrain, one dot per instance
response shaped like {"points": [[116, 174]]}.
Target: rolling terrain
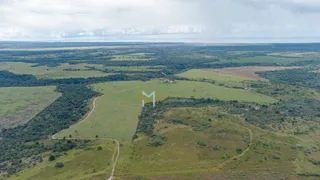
{"points": [[222, 112]]}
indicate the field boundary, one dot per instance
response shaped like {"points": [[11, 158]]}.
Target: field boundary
{"points": [[108, 139], [79, 122], [217, 168]]}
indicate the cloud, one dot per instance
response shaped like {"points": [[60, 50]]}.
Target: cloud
{"points": [[296, 6], [56, 19]]}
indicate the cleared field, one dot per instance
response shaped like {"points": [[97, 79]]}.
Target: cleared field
{"points": [[249, 71], [218, 77], [116, 112], [133, 68], [296, 54], [44, 72], [263, 59], [78, 164], [20, 104], [133, 57], [228, 149]]}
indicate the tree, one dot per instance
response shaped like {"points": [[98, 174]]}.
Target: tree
{"points": [[52, 158]]}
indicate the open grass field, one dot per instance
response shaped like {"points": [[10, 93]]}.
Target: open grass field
{"points": [[133, 57], [186, 148], [210, 153], [133, 68], [218, 77], [249, 71], [263, 59], [90, 163], [44, 72], [116, 112], [296, 54], [20, 104]]}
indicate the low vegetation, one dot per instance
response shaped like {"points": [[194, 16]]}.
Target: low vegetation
{"points": [[22, 146], [20, 104], [108, 119]]}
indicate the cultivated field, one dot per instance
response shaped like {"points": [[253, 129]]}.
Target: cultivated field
{"points": [[116, 112], [20, 104], [59, 72], [249, 71], [89, 163]]}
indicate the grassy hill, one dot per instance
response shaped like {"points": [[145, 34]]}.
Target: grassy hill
{"points": [[116, 112]]}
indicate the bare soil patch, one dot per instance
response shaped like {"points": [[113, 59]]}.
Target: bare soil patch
{"points": [[250, 71]]}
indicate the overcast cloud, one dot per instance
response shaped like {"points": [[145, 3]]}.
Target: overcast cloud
{"points": [[196, 20]]}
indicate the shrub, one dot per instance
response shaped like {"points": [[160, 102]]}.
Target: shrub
{"points": [[177, 121], [201, 143], [99, 148], [59, 165], [216, 148], [156, 144], [239, 150], [275, 157], [52, 158]]}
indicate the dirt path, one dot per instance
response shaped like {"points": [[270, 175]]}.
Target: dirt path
{"points": [[108, 139], [88, 115]]}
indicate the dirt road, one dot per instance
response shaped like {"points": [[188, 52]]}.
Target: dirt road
{"points": [[108, 139]]}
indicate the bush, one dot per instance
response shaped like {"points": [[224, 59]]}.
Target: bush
{"points": [[239, 150], [276, 157], [201, 143], [52, 158], [156, 144], [59, 165], [216, 148], [177, 121], [99, 148]]}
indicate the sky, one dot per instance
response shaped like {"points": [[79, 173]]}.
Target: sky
{"points": [[160, 20]]}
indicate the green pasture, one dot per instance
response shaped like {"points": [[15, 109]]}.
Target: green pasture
{"points": [[263, 59], [133, 57], [116, 112], [181, 156], [45, 72], [78, 164], [133, 68], [221, 78], [20, 104]]}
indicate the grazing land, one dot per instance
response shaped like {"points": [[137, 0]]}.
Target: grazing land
{"points": [[296, 54], [249, 71], [20, 104], [222, 111], [109, 119], [133, 57], [59, 72], [205, 143], [94, 161], [132, 68], [283, 61], [216, 76]]}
